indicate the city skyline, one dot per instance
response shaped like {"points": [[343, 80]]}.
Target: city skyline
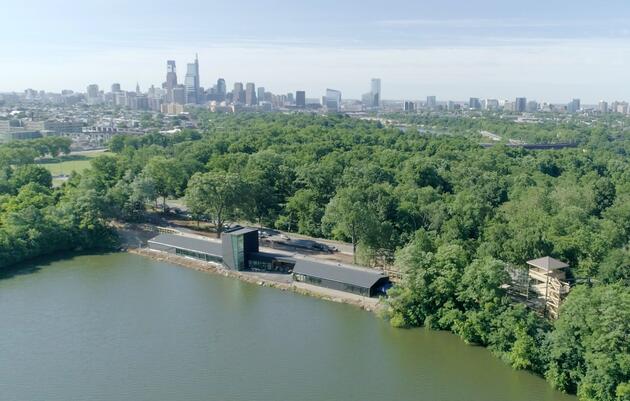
{"points": [[546, 51]]}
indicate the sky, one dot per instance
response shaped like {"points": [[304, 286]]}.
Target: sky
{"points": [[552, 50]]}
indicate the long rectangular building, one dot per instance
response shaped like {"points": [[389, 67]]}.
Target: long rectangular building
{"points": [[360, 281], [239, 250]]}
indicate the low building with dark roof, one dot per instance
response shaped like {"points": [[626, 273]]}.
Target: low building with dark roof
{"points": [[360, 281], [187, 246], [239, 250]]}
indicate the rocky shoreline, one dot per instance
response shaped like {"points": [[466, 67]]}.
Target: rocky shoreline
{"points": [[282, 282]]}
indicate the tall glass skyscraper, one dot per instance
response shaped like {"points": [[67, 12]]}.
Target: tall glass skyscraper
{"points": [[376, 92], [333, 100], [192, 82]]}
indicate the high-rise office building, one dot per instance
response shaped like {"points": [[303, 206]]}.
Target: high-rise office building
{"points": [[171, 80], [376, 92], [520, 105], [221, 89], [238, 94], [603, 107], [431, 102], [409, 106], [192, 82], [474, 103], [115, 88], [92, 91], [93, 94], [300, 99], [573, 106], [260, 94], [532, 106], [250, 94], [490, 104], [178, 94], [333, 100]]}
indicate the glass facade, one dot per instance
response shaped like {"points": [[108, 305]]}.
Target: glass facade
{"points": [[238, 251], [198, 255]]}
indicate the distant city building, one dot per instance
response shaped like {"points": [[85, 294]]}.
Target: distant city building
{"points": [[55, 127], [573, 106], [490, 104], [238, 93], [171, 79], [93, 94], [376, 92], [332, 100], [620, 107], [409, 106], [260, 94], [300, 99], [474, 103], [115, 88], [532, 106], [520, 105], [372, 99], [603, 107], [250, 94], [192, 83], [178, 95], [221, 89], [431, 102], [172, 108]]}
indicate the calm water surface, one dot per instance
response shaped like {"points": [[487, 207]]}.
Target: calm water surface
{"points": [[122, 327]]}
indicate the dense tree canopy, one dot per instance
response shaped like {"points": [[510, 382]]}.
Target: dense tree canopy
{"points": [[427, 200]]}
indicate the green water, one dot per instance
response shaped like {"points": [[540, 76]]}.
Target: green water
{"points": [[122, 327]]}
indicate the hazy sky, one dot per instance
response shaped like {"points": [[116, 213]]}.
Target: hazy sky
{"points": [[548, 50]]}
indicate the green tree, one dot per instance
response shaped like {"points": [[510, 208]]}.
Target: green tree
{"points": [[216, 195], [168, 176]]}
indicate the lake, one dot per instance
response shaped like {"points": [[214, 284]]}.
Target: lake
{"points": [[123, 327]]}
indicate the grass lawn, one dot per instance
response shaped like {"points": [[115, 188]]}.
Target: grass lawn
{"points": [[64, 165]]}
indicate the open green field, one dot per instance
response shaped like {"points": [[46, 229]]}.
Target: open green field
{"points": [[64, 165]]}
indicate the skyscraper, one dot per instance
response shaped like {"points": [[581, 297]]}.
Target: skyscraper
{"points": [[603, 107], [250, 94], [260, 94], [93, 94], [573, 106], [431, 102], [192, 82], [333, 100], [92, 91], [171, 75], [238, 94], [474, 103], [376, 92], [300, 99], [221, 89], [115, 88], [520, 105]]}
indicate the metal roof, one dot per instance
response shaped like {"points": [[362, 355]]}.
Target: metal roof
{"points": [[364, 278], [241, 231], [271, 256], [547, 263], [189, 244]]}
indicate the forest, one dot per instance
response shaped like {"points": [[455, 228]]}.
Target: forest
{"points": [[449, 214]]}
